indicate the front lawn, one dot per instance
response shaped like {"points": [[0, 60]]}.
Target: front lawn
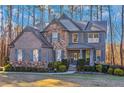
{"points": [[67, 80]]}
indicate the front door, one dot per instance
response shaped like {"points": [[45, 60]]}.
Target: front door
{"points": [[74, 56]]}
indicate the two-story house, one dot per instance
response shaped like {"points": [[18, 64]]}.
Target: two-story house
{"points": [[65, 39]]}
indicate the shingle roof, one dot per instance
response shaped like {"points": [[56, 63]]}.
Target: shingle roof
{"points": [[37, 33], [96, 26], [72, 25], [69, 25]]}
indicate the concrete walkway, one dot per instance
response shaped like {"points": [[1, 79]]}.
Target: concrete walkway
{"points": [[68, 72]]}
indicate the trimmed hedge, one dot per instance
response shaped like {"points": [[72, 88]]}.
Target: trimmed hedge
{"points": [[80, 64], [62, 68], [99, 68], [65, 62], [89, 68], [9, 67], [118, 72], [105, 68], [57, 66], [110, 71]]}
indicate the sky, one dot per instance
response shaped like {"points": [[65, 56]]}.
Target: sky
{"points": [[55, 10]]}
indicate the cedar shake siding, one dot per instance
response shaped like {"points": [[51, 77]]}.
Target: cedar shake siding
{"points": [[62, 37]]}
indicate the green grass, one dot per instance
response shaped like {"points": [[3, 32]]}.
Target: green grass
{"points": [[27, 79]]}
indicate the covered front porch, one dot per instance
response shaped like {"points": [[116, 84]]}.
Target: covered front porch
{"points": [[86, 54]]}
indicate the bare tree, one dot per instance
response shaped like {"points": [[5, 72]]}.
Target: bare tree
{"points": [[22, 17], [111, 32], [101, 12], [91, 13], [33, 15], [122, 37]]}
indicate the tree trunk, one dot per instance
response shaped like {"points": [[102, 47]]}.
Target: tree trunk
{"points": [[122, 37], [22, 17], [111, 32], [91, 13], [33, 15], [101, 12]]}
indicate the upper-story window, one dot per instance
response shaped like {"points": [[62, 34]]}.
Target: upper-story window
{"points": [[93, 37], [75, 37], [54, 36]]}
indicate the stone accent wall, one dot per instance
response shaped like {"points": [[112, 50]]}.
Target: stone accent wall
{"points": [[63, 42]]}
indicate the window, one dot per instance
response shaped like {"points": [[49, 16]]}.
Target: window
{"points": [[98, 55], [54, 36], [96, 35], [19, 54], [58, 55], [93, 37], [35, 55], [75, 37]]}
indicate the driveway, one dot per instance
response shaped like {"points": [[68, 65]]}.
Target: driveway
{"points": [[59, 80]]}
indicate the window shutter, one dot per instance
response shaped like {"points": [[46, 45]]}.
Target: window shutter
{"points": [[16, 54], [31, 55], [94, 55], [39, 55], [58, 36], [23, 55], [51, 38], [47, 55], [62, 55]]}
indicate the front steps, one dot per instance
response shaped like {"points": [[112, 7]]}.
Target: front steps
{"points": [[72, 68]]}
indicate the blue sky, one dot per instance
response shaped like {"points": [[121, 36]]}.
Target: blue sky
{"points": [[55, 9]]}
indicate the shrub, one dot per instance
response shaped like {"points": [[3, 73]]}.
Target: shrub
{"points": [[51, 66], [62, 68], [6, 61], [87, 61], [110, 71], [105, 68], [99, 68], [8, 67], [89, 68], [118, 72], [54, 66], [1, 69], [80, 64], [79, 68], [65, 62]]}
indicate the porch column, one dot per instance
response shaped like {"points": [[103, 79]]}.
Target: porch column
{"points": [[80, 53], [91, 57]]}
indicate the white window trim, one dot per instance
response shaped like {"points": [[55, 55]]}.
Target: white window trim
{"points": [[35, 57], [54, 36], [73, 37], [93, 40], [58, 55], [20, 54]]}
